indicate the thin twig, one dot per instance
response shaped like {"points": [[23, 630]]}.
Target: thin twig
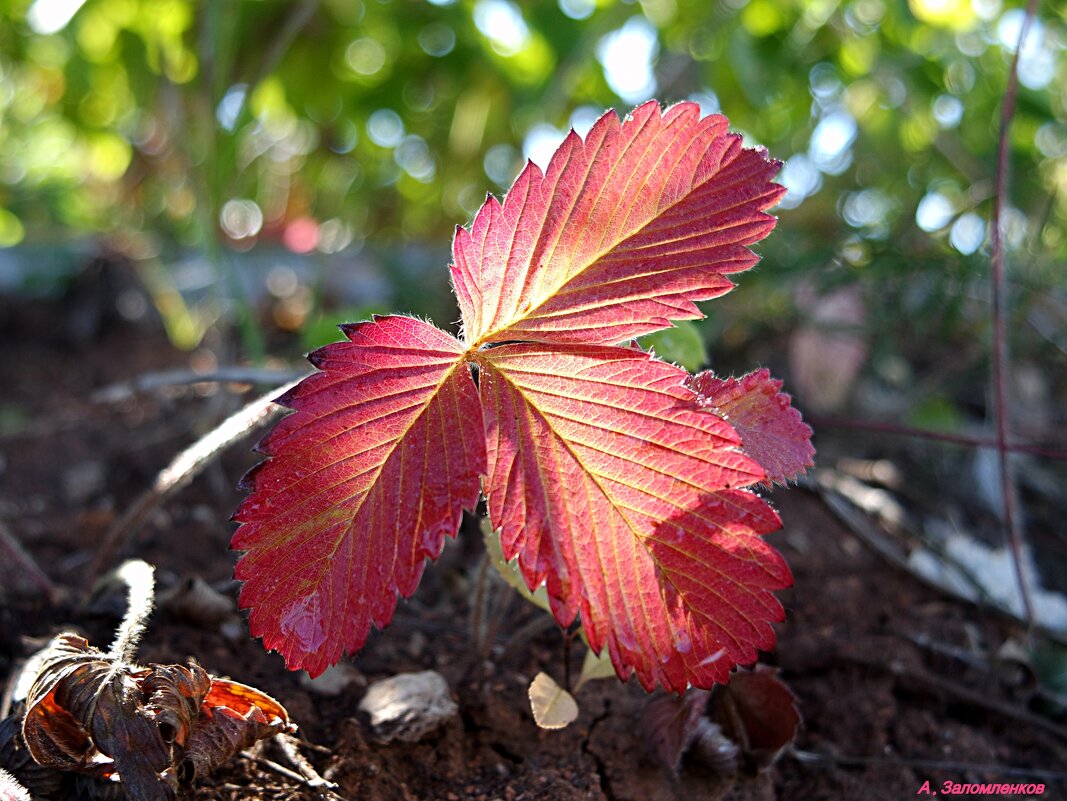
{"points": [[940, 436], [937, 684], [290, 746], [858, 523], [940, 687], [18, 558], [1000, 336], [150, 382], [184, 468], [973, 661], [312, 784]]}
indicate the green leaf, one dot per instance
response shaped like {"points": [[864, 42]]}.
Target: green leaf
{"points": [[509, 571], [682, 345]]}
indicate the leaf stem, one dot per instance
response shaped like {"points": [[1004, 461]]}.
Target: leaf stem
{"points": [[139, 578], [478, 607], [183, 468], [19, 559]]}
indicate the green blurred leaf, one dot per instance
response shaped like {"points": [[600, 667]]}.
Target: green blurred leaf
{"points": [[682, 344]]}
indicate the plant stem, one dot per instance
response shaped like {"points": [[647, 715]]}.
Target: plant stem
{"points": [[940, 436], [18, 559], [183, 468], [478, 607], [567, 637], [139, 578], [1000, 337]]}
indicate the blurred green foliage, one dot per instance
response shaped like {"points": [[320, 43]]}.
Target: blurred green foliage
{"points": [[321, 125]]}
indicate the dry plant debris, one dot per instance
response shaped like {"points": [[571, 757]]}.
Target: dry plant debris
{"points": [[151, 729]]}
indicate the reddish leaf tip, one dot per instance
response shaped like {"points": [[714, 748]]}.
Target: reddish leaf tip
{"points": [[772, 431], [629, 266]]}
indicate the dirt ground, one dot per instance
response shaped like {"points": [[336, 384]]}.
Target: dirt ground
{"points": [[891, 677]]}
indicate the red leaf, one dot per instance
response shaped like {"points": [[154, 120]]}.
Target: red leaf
{"points": [[610, 480], [364, 482], [758, 711], [621, 235], [670, 723], [611, 484], [771, 430]]}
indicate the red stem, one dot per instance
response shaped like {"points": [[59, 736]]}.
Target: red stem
{"points": [[1000, 338], [940, 436]]}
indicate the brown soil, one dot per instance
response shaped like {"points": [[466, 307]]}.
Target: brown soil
{"points": [[884, 713]]}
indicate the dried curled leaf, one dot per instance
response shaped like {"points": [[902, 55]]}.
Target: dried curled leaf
{"points": [[232, 717], [152, 728]]}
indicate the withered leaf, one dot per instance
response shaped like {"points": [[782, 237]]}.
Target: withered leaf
{"points": [[153, 729], [232, 717], [15, 758], [86, 712], [758, 712], [670, 724], [175, 693]]}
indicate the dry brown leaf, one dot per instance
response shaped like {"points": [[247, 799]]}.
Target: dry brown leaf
{"points": [[154, 729]]}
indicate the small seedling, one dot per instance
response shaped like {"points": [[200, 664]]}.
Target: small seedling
{"points": [[616, 480]]}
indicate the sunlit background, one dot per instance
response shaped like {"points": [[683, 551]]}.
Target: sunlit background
{"points": [[312, 158]]}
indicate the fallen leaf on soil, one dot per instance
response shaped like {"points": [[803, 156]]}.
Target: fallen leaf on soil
{"points": [[553, 707], [154, 728]]}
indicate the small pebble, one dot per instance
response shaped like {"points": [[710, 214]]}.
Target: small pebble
{"points": [[408, 706]]}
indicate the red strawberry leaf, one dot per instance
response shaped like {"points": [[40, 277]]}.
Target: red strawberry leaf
{"points": [[364, 481], [610, 481], [612, 485], [622, 234], [771, 430]]}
